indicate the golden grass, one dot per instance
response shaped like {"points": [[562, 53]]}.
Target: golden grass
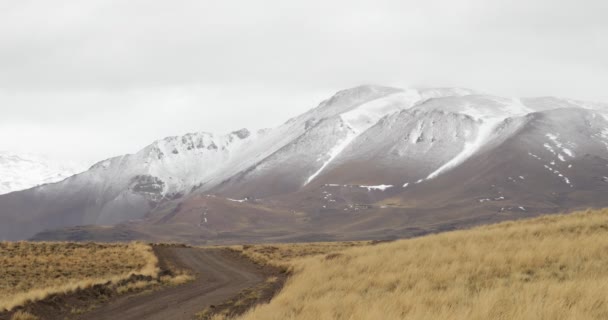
{"points": [[178, 279], [553, 267], [31, 271], [22, 315]]}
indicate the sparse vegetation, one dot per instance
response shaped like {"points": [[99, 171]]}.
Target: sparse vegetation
{"points": [[283, 255], [177, 279], [552, 267], [31, 271]]}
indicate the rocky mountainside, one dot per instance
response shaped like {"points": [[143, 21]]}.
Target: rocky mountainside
{"points": [[24, 171], [370, 162]]}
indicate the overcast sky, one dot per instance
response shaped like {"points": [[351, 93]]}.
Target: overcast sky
{"points": [[97, 78]]}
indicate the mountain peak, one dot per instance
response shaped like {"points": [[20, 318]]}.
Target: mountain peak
{"points": [[349, 97]]}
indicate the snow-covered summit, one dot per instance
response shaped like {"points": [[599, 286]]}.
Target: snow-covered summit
{"points": [[316, 139], [180, 162], [24, 171]]}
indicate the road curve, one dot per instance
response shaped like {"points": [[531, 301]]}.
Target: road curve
{"points": [[220, 275]]}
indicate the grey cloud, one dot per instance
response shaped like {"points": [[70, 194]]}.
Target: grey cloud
{"points": [[78, 67]]}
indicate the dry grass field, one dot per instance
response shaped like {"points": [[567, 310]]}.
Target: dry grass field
{"points": [[553, 267], [284, 255], [31, 271]]}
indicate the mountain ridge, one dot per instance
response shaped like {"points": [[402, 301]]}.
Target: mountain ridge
{"points": [[366, 149]]}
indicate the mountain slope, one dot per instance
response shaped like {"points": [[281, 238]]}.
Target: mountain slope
{"points": [[370, 162]]}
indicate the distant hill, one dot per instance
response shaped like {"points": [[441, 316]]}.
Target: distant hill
{"points": [[24, 171]]}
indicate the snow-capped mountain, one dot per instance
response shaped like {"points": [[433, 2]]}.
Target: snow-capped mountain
{"points": [[24, 171], [370, 162]]}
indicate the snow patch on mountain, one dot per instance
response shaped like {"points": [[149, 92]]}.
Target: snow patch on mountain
{"points": [[334, 152], [381, 187], [484, 133], [555, 139]]}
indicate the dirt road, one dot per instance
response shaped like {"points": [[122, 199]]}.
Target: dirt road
{"points": [[219, 276]]}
